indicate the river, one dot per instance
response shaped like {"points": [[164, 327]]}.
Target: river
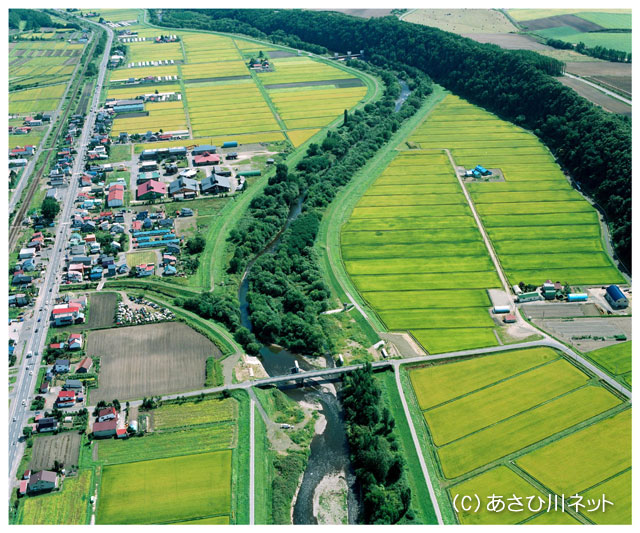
{"points": [[329, 449]]}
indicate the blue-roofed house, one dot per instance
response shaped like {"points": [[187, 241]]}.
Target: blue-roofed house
{"points": [[199, 150]]}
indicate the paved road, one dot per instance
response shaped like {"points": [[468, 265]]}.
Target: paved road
{"points": [[600, 88], [26, 381], [416, 444], [252, 461]]}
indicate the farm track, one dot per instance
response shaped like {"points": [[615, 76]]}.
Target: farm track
{"points": [[16, 227]]}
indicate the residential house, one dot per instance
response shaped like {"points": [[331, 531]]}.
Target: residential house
{"points": [[183, 186], [150, 190], [46, 424], [61, 366], [108, 413], [206, 159], [75, 341], [215, 184], [44, 480], [66, 399], [73, 385]]}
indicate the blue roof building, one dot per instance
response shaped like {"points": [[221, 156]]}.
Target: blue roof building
{"points": [[616, 297]]}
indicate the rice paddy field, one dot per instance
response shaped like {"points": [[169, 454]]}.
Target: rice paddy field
{"points": [[36, 100], [152, 51], [228, 108], [191, 468], [526, 422], [223, 99], [540, 227], [166, 490], [42, 62], [414, 252], [315, 106], [300, 69], [615, 359], [167, 116]]}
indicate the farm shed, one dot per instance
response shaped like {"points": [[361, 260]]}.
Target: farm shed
{"points": [[249, 173], [616, 297], [105, 429], [72, 384], [577, 297], [529, 296], [84, 366], [206, 159], [204, 148]]}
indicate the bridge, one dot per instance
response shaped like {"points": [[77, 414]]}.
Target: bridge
{"points": [[302, 378]]}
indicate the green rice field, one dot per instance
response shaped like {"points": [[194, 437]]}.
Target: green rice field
{"points": [[615, 359], [539, 225], [494, 420], [300, 69], [166, 490], [415, 254]]}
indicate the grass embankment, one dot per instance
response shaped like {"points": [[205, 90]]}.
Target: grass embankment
{"points": [[420, 500]]}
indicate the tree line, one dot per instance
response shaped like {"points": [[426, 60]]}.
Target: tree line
{"points": [[374, 450], [600, 52], [286, 289], [590, 144]]}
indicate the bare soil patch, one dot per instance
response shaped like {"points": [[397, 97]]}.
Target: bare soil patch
{"points": [[275, 54], [63, 447], [102, 308], [561, 20], [149, 360], [571, 331], [622, 83], [508, 41], [363, 13], [462, 20], [330, 499], [592, 94], [598, 68]]}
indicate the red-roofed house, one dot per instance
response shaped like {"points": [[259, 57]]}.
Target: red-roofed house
{"points": [[136, 225], [75, 341], [108, 413], [206, 159], [151, 189], [121, 433], [23, 487], [66, 398]]}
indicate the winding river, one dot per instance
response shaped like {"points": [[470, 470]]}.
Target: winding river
{"points": [[329, 449]]}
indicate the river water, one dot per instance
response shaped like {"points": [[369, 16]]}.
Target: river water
{"points": [[329, 449]]}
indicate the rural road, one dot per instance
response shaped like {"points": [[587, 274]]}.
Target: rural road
{"points": [[44, 303], [599, 88], [416, 444], [252, 461]]}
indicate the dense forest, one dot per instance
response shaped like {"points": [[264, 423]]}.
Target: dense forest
{"points": [[34, 20], [375, 455], [592, 146]]}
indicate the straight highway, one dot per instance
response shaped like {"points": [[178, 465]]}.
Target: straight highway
{"points": [[37, 330]]}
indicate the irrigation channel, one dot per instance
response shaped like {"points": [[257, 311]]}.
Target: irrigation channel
{"points": [[329, 453]]}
